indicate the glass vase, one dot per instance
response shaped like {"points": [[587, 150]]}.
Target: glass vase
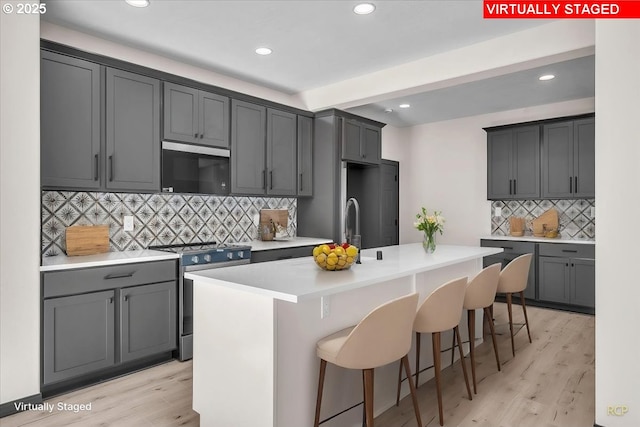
{"points": [[429, 243]]}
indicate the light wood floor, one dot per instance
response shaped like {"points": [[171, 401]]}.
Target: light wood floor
{"points": [[549, 383]]}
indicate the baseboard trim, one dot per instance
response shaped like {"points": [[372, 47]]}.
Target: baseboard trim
{"points": [[13, 407]]}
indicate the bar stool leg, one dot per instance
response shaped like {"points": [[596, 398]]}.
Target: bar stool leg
{"points": [[464, 366], [412, 388], [417, 359], [513, 346], [323, 368], [435, 337], [471, 325], [368, 396], [524, 309], [399, 384], [487, 315]]}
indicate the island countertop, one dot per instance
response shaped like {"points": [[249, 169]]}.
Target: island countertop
{"points": [[301, 279]]}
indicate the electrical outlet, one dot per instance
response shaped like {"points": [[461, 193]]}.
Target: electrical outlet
{"points": [[128, 223], [498, 211], [325, 307]]}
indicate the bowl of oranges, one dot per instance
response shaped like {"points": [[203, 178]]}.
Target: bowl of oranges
{"points": [[335, 257]]}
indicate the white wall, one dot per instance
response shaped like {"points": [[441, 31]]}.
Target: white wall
{"points": [[447, 162], [19, 206], [104, 47], [618, 205]]}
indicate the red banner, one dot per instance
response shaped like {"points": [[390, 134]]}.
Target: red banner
{"points": [[503, 9]]}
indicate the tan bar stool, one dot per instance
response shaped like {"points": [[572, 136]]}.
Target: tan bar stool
{"points": [[480, 294], [439, 312], [382, 337], [513, 279]]}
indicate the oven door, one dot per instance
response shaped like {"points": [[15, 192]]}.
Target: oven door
{"points": [[194, 169]]}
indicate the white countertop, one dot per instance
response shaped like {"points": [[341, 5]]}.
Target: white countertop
{"points": [[63, 262], [540, 239], [289, 242], [301, 279]]}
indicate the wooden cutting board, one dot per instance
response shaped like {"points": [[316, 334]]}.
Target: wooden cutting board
{"points": [[279, 217], [87, 239], [548, 220]]}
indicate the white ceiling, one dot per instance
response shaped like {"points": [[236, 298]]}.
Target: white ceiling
{"points": [[317, 43]]}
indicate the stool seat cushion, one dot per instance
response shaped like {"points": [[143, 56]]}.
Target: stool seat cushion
{"points": [[329, 347]]}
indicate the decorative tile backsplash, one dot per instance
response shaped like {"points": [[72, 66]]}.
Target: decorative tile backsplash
{"points": [[575, 216], [159, 219]]}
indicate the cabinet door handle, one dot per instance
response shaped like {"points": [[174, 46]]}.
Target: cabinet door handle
{"points": [[125, 297], [567, 264], [270, 180], [570, 185], [569, 250], [510, 186], [195, 135], [201, 135], [300, 182], [118, 275], [110, 168], [575, 185], [97, 167], [111, 300], [514, 187], [507, 247]]}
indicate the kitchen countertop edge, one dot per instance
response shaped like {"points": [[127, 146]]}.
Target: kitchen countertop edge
{"points": [[63, 262], [291, 242], [539, 239]]}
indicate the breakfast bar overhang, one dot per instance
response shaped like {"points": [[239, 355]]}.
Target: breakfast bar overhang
{"points": [[256, 328]]}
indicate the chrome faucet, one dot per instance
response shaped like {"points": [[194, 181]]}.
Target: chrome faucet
{"points": [[353, 239]]}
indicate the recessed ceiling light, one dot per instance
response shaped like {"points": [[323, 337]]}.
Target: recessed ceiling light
{"points": [[364, 8], [546, 77], [263, 51], [388, 110], [138, 3], [404, 105]]}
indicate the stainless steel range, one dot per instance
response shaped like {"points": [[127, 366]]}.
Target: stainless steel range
{"points": [[200, 256]]}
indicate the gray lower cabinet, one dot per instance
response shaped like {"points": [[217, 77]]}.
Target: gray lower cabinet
{"points": [[99, 318], [70, 119], [305, 156], [567, 274], [513, 163], [195, 116], [280, 254], [147, 320], [79, 335], [568, 159], [133, 131]]}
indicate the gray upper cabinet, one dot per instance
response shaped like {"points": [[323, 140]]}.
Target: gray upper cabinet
{"points": [[568, 159], [195, 116], [248, 137], [305, 156], [79, 335], [70, 115], [132, 131], [513, 163], [264, 154], [282, 142], [147, 319], [361, 142]]}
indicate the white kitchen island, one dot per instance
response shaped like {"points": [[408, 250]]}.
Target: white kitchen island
{"points": [[256, 327]]}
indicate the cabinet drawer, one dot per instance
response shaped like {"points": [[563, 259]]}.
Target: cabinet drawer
{"points": [[99, 278], [567, 250], [510, 247]]}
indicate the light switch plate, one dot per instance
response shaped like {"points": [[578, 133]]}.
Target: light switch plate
{"points": [[498, 211], [128, 223]]}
